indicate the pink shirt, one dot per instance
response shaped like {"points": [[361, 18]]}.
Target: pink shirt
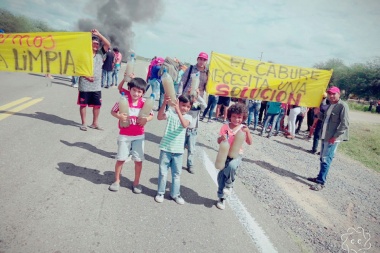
{"points": [[117, 58], [231, 135], [134, 110]]}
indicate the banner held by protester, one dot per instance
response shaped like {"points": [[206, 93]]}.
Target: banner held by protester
{"points": [[63, 53], [240, 77]]}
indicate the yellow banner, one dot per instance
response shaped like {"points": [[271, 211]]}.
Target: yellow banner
{"points": [[64, 53], [239, 77]]}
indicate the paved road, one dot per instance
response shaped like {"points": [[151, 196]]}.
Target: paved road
{"points": [[54, 181]]}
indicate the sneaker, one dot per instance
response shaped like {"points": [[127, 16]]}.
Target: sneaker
{"points": [[221, 204], [227, 191], [114, 187], [159, 198], [210, 121], [201, 118], [312, 179], [317, 187], [179, 200], [137, 189], [74, 85], [225, 122], [191, 170]]}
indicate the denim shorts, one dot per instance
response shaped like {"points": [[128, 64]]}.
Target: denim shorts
{"points": [[133, 148]]}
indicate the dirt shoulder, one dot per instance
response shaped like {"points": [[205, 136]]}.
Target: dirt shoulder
{"points": [[358, 116], [275, 171]]}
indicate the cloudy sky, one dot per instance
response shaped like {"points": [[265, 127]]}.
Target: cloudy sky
{"points": [[291, 32]]}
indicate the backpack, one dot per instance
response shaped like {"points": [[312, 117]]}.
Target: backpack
{"points": [[156, 61], [188, 77], [171, 66]]}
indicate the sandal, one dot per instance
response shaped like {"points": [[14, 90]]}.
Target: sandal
{"points": [[95, 127], [83, 128], [317, 187]]}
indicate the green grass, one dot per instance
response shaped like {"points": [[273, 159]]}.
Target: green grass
{"points": [[360, 107], [364, 144]]}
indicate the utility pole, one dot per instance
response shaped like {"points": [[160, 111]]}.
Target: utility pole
{"points": [[261, 56]]}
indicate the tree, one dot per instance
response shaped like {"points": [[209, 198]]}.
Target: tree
{"points": [[11, 23], [359, 79]]}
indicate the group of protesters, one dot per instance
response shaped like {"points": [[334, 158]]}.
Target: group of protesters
{"points": [[329, 121]]}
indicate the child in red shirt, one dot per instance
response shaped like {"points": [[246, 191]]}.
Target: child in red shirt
{"points": [[131, 139]]}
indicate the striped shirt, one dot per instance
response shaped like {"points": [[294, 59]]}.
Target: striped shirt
{"points": [[174, 137]]}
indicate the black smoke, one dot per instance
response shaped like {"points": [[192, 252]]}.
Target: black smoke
{"points": [[114, 19]]}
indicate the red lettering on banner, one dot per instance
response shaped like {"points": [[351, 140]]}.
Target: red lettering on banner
{"points": [[21, 38], [281, 96], [265, 94], [47, 43], [294, 101], [35, 41], [3, 38], [52, 42], [222, 90]]}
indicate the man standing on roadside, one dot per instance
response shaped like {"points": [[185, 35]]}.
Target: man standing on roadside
{"points": [[90, 86], [334, 130], [201, 67]]}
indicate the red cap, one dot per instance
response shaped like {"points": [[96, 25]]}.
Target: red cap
{"points": [[203, 55], [333, 89]]}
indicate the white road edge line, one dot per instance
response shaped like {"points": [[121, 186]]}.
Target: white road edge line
{"points": [[256, 233]]}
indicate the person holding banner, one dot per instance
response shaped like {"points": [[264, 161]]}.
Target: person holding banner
{"points": [[273, 111], [253, 109], [334, 131], [225, 101], [90, 86], [293, 112]]}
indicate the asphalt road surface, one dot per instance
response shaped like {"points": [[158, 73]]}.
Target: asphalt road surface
{"points": [[54, 182]]}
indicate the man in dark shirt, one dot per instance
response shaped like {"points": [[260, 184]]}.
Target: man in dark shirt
{"points": [[107, 69]]}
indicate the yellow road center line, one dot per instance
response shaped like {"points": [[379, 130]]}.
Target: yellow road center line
{"points": [[6, 114], [11, 104]]}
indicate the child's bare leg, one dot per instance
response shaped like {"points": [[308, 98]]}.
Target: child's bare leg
{"points": [[225, 113], [116, 185], [118, 168], [217, 111], [138, 169], [82, 111]]}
